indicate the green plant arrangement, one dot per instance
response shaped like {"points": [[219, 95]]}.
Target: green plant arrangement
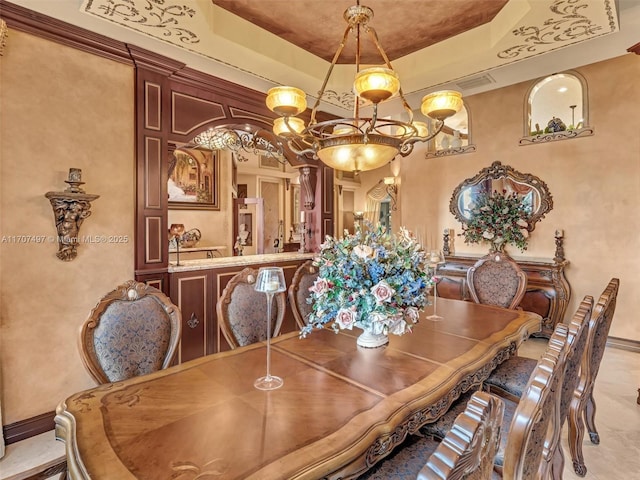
{"points": [[499, 219], [372, 280]]}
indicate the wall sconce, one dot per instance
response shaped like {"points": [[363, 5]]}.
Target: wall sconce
{"points": [[392, 191], [70, 208]]}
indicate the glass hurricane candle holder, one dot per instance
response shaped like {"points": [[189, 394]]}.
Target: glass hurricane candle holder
{"points": [[270, 281], [435, 258]]}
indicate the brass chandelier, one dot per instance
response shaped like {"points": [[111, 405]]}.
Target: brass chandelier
{"points": [[359, 144]]}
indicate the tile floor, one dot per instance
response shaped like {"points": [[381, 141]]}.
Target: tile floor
{"points": [[617, 419]]}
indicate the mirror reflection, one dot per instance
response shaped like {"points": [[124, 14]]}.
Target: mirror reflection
{"points": [[257, 194], [467, 198], [498, 177]]}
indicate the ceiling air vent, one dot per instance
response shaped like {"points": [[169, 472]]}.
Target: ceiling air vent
{"points": [[476, 82]]}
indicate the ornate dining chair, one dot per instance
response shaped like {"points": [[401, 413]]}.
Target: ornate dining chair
{"points": [[303, 279], [531, 428], [242, 311], [507, 379], [496, 279], [583, 405], [133, 330], [465, 452]]}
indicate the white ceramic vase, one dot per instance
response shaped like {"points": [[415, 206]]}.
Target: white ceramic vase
{"points": [[372, 340]]}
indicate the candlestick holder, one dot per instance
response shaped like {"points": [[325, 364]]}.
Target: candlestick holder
{"points": [[270, 281], [303, 237], [175, 231]]}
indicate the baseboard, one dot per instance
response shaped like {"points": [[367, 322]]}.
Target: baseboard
{"points": [[30, 427], [624, 344]]}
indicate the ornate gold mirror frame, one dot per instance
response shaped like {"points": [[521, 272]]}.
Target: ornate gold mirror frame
{"points": [[503, 177]]}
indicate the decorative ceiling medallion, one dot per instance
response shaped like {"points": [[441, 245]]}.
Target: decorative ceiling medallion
{"points": [[157, 18], [568, 26]]}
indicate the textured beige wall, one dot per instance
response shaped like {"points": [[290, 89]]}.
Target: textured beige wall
{"points": [[595, 183], [60, 108]]}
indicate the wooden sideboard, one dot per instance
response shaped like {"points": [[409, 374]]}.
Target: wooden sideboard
{"points": [[548, 291], [196, 285]]}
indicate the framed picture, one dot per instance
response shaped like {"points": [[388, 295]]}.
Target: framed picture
{"points": [[267, 161], [193, 179]]}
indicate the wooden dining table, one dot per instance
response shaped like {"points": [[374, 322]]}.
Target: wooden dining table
{"points": [[341, 409]]}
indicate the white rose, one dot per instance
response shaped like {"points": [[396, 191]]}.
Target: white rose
{"points": [[382, 291], [363, 251], [412, 314], [346, 317], [524, 232], [487, 234], [398, 327], [523, 223]]}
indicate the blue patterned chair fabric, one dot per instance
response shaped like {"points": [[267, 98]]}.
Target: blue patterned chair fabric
{"points": [[303, 279], [520, 453], [496, 279], [133, 330], [242, 311], [465, 452]]}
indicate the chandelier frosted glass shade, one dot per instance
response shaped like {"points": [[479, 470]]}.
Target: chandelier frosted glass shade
{"points": [[288, 126], [441, 105], [286, 101], [350, 153], [376, 84]]}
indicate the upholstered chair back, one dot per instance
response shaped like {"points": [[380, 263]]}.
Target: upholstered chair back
{"points": [[303, 279], [133, 330], [535, 421], [242, 311], [496, 279]]}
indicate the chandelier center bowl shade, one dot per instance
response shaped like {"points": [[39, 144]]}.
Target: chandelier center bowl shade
{"points": [[358, 143]]}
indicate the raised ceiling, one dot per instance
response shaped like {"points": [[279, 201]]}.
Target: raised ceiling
{"points": [[316, 26], [470, 45]]}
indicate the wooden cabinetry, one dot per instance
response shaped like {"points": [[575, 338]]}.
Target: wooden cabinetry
{"points": [[196, 286], [548, 291]]}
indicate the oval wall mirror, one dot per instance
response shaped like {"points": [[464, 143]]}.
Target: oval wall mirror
{"points": [[500, 178]]}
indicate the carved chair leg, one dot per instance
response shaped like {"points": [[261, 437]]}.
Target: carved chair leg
{"points": [[557, 463], [576, 435], [590, 419]]}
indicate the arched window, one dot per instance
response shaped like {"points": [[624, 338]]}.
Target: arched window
{"points": [[556, 108], [455, 136]]}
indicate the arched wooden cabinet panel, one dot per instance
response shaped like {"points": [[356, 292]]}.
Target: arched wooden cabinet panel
{"points": [[548, 290]]}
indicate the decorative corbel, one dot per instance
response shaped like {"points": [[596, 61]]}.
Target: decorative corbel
{"points": [[70, 208], [308, 186]]}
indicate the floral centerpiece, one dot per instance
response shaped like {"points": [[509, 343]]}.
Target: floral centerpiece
{"points": [[372, 280], [500, 219]]}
